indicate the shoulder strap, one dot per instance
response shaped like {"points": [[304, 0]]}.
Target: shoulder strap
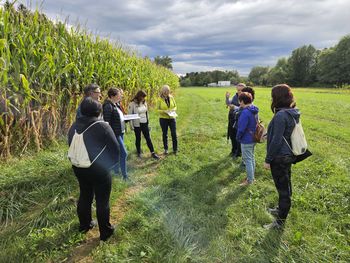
{"points": [[91, 126]]}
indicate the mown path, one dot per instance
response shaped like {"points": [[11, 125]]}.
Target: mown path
{"points": [[82, 252]]}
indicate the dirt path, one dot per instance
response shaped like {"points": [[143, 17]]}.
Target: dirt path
{"points": [[82, 252]]}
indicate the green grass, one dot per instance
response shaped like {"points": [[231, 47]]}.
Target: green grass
{"points": [[192, 210]]}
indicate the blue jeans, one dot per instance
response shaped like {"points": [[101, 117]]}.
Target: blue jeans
{"points": [[249, 160], [123, 155]]}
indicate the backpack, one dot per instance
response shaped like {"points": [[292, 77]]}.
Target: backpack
{"points": [[297, 138], [260, 132], [77, 153]]}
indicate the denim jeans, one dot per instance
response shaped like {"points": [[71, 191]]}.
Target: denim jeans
{"points": [[123, 156], [249, 160], [165, 124]]}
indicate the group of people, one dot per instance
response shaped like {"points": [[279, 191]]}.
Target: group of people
{"points": [[242, 123], [103, 127]]}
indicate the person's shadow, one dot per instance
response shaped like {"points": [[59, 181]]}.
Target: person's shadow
{"points": [[267, 249]]}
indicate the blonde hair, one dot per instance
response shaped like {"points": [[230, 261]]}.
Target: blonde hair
{"points": [[163, 90]]}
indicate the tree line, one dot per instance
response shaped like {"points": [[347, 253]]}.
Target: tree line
{"points": [[306, 66], [204, 78]]}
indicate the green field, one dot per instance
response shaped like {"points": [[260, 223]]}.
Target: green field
{"points": [[189, 207]]}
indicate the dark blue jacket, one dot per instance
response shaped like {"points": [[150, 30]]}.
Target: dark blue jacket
{"points": [[281, 125], [234, 100], [247, 125], [95, 138]]}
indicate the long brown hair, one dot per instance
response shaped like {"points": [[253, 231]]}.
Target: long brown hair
{"points": [[282, 97], [139, 96]]}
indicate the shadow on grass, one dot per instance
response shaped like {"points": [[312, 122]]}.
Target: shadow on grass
{"points": [[267, 249], [206, 193]]}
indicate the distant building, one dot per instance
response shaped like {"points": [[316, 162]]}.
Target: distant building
{"points": [[224, 83], [214, 84]]}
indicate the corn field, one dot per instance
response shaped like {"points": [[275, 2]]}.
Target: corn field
{"points": [[45, 65]]}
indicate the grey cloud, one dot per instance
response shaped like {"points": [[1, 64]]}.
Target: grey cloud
{"points": [[212, 34]]}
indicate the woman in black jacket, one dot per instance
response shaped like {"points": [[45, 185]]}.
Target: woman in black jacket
{"points": [[279, 157], [102, 147], [114, 115]]}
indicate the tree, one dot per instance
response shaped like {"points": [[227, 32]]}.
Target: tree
{"points": [[164, 61], [279, 73], [303, 65], [258, 75], [342, 56]]}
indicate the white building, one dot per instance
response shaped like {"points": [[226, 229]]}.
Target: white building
{"points": [[224, 83]]}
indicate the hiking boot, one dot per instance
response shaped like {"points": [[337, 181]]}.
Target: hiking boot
{"points": [[273, 211], [274, 225], [155, 156]]}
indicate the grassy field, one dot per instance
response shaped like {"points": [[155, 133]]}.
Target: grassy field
{"points": [[189, 207]]}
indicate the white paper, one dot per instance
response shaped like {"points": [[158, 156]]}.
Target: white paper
{"points": [[172, 113], [129, 117]]}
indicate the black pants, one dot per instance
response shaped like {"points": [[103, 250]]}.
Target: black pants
{"points": [[145, 131], [164, 124], [236, 146], [281, 174], [92, 182]]}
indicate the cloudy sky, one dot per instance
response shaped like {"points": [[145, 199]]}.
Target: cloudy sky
{"points": [[206, 35]]}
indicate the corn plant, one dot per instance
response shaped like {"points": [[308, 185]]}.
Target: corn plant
{"points": [[43, 69]]}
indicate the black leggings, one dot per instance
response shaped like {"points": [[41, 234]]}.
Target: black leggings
{"points": [[281, 174], [145, 131]]}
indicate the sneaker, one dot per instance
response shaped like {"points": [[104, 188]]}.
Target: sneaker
{"points": [[155, 156], [274, 225], [175, 152], [139, 155], [273, 211], [91, 226], [166, 152]]}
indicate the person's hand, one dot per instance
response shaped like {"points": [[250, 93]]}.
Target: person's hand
{"points": [[267, 166], [227, 94], [232, 107]]}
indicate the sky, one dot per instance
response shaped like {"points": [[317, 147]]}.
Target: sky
{"points": [[208, 35]]}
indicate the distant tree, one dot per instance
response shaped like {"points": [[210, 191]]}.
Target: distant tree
{"points": [[342, 54], [204, 78], [164, 61], [303, 66], [258, 75], [279, 73], [328, 71]]}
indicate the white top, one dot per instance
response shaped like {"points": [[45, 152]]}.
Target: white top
{"points": [[139, 109], [122, 120]]}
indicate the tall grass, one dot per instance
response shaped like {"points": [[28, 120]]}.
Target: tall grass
{"points": [[43, 68]]}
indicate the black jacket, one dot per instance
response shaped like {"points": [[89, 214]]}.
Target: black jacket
{"points": [[281, 125], [111, 115], [95, 138]]}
